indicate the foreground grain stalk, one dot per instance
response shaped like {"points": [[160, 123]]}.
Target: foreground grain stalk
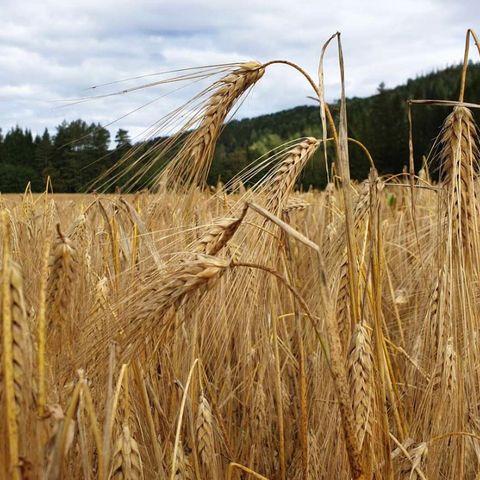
{"points": [[8, 361]]}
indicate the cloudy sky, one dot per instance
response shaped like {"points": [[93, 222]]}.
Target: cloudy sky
{"points": [[52, 51]]}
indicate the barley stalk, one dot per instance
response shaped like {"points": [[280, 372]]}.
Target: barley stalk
{"points": [[9, 363]]}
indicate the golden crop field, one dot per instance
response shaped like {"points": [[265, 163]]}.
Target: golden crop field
{"points": [[247, 332]]}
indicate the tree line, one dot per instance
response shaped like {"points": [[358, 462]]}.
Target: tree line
{"points": [[72, 157], [77, 152]]}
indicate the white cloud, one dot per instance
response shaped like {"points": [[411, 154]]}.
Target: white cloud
{"points": [[52, 50]]}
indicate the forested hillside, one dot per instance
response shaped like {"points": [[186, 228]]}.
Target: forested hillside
{"points": [[78, 152]]}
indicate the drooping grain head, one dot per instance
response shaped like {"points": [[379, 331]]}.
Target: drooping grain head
{"points": [[218, 235], [144, 314], [191, 165]]}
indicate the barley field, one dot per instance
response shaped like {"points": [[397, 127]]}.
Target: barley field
{"points": [[247, 331]]}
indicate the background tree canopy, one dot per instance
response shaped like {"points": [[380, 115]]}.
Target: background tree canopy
{"points": [[78, 153]]}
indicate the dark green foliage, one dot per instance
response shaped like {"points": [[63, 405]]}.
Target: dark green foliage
{"points": [[15, 178], [76, 155], [79, 153]]}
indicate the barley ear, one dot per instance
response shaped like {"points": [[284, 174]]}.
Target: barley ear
{"points": [[183, 468], [205, 436], [219, 234], [127, 462], [360, 369], [286, 174], [459, 170], [8, 361], [63, 270]]}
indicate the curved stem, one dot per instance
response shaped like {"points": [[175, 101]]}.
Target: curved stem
{"points": [[294, 292], [296, 67], [461, 96], [179, 421], [315, 88], [365, 150], [470, 33], [453, 434]]}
